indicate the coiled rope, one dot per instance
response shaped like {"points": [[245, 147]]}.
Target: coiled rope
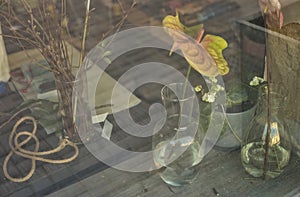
{"points": [[35, 155]]}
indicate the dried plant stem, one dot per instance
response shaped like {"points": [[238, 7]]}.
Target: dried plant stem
{"points": [[88, 2], [46, 28], [118, 26], [266, 158]]}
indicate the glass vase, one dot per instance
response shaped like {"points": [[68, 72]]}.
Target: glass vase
{"points": [[71, 103], [262, 155], [176, 148]]}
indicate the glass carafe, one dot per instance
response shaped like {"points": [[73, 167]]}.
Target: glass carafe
{"points": [[260, 156]]}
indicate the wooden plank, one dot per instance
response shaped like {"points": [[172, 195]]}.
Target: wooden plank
{"points": [[220, 170]]}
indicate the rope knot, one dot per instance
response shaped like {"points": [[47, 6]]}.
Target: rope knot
{"points": [[16, 148]]}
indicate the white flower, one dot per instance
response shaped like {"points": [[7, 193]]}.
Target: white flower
{"points": [[213, 80], [256, 81], [209, 97], [219, 88]]}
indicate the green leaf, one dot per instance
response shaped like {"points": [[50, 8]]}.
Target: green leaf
{"points": [[173, 22], [215, 46], [205, 57]]}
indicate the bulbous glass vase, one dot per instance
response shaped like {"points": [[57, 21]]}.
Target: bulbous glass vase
{"points": [[265, 152]]}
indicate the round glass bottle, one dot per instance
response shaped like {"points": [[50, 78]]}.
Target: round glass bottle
{"points": [[265, 152]]}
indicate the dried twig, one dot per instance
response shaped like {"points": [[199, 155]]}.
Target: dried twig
{"points": [[46, 28], [84, 30]]}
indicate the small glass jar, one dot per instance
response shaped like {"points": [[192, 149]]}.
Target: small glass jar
{"points": [[263, 156]]}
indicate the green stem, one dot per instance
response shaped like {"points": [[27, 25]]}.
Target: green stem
{"points": [[277, 160], [184, 91], [186, 80]]}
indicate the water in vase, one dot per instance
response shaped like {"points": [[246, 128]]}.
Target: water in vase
{"points": [[253, 155], [182, 170]]}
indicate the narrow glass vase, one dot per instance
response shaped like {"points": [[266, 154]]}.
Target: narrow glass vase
{"points": [[176, 148]]}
